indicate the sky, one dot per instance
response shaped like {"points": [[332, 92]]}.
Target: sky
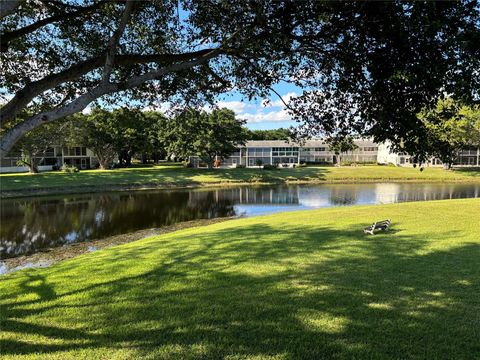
{"points": [[260, 114]]}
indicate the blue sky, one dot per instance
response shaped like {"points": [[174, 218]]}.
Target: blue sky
{"points": [[258, 114]]}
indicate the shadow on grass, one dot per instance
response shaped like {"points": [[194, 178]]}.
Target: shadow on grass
{"points": [[309, 292]]}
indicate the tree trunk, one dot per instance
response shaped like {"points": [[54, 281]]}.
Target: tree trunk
{"points": [[210, 162], [337, 160], [28, 161], [32, 168], [103, 163], [128, 160]]}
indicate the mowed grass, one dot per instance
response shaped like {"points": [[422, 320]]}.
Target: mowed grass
{"points": [[303, 285], [176, 175]]}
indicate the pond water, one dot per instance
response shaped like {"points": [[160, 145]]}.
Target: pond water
{"points": [[30, 224]]}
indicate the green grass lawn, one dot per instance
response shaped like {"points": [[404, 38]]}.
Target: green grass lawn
{"points": [[178, 176], [303, 285]]}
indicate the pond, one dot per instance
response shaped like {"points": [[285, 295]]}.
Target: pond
{"points": [[31, 224]]}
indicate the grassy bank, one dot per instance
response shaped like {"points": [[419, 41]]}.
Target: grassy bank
{"points": [[177, 176], [294, 285]]}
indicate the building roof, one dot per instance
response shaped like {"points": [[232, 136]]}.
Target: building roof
{"points": [[306, 143]]}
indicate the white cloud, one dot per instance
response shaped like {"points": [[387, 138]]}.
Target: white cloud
{"points": [[271, 111], [236, 106], [261, 116], [279, 103], [162, 107]]}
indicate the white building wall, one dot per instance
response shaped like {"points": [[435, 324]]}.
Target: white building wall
{"points": [[385, 156], [14, 169]]}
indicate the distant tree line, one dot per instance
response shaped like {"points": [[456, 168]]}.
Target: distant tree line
{"points": [[275, 134], [125, 134]]}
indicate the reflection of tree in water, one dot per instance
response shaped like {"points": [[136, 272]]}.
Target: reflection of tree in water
{"points": [[343, 196], [424, 192], [31, 224], [38, 223]]}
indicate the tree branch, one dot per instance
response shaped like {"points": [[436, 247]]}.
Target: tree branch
{"points": [[33, 89], [112, 44], [9, 6], [80, 103], [287, 106], [218, 78], [7, 37]]}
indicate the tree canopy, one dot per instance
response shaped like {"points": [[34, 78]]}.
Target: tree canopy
{"points": [[121, 133], [452, 126], [341, 146], [274, 134], [210, 136], [366, 67]]}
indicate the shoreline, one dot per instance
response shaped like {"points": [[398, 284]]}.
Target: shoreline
{"points": [[49, 256], [12, 194]]}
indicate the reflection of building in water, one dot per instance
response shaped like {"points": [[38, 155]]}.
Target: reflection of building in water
{"points": [[277, 195], [392, 193], [386, 193], [314, 196]]}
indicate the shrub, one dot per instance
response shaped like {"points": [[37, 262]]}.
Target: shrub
{"points": [[259, 162], [69, 168], [270, 167], [240, 166]]}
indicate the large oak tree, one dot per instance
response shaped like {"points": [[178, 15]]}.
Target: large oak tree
{"points": [[366, 67]]}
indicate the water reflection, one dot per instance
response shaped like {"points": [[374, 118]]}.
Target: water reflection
{"points": [[30, 224]]}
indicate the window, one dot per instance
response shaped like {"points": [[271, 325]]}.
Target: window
{"points": [[75, 151], [320, 149], [285, 151]]}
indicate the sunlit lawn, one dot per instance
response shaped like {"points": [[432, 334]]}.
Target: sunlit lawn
{"points": [[177, 175], [303, 285]]}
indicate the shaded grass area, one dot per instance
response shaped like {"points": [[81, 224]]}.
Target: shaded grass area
{"points": [[176, 175], [297, 285]]}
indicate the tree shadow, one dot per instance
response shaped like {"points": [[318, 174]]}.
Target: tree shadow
{"points": [[306, 292]]}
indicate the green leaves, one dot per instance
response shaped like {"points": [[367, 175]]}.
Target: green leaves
{"points": [[451, 126], [206, 135]]}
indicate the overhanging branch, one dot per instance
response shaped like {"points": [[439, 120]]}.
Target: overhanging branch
{"points": [[113, 42], [80, 103], [33, 89], [9, 36]]}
